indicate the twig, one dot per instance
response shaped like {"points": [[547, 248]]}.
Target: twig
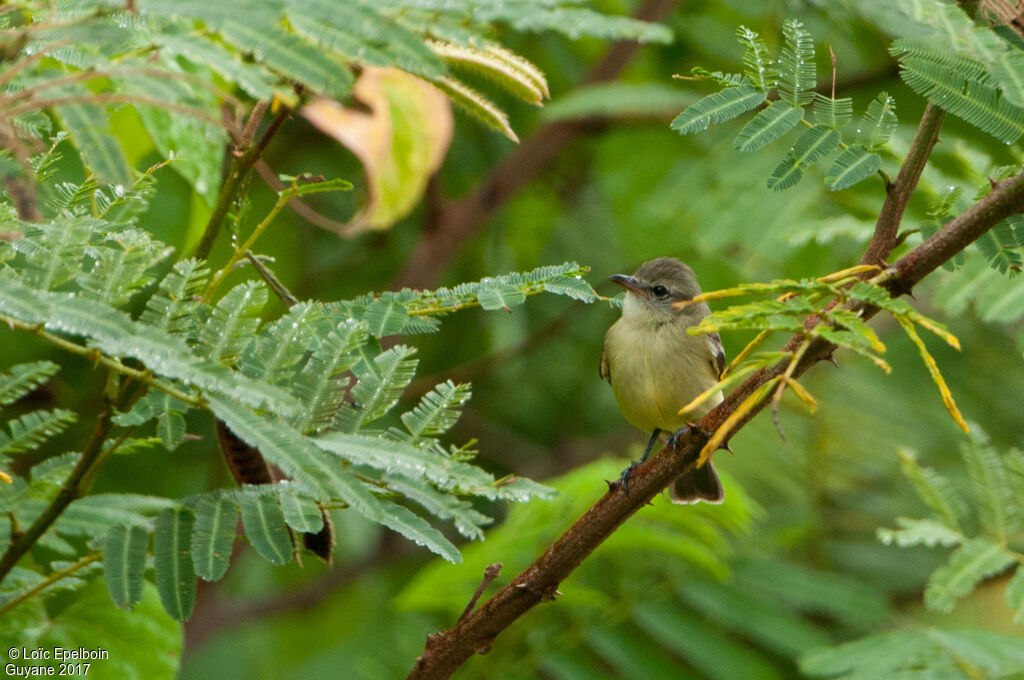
{"points": [[898, 195], [50, 580], [244, 159], [490, 573]]}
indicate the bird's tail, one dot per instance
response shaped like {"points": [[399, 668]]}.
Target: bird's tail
{"points": [[700, 484]]}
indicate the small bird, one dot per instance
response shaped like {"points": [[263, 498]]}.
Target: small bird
{"points": [[655, 367]]}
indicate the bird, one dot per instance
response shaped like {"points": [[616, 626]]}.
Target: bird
{"points": [[655, 367]]}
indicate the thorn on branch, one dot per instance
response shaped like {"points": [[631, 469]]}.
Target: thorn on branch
{"points": [[490, 573]]}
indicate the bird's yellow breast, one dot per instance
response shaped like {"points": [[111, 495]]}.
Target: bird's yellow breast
{"points": [[656, 370]]}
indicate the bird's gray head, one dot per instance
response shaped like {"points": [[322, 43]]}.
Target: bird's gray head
{"points": [[656, 286]]}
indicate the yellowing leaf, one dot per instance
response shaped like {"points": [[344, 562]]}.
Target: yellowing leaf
{"points": [[400, 137], [933, 369]]}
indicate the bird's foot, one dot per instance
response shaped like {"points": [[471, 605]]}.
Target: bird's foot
{"points": [[624, 477], [673, 441]]}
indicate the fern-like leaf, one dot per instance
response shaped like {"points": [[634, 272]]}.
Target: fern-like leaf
{"points": [[173, 308], [851, 166], [797, 77], [508, 70], [281, 346], [264, 524], [124, 562], [717, 108], [213, 536], [757, 61], [33, 429], [172, 561], [476, 105], [969, 564], [90, 131], [814, 144], [833, 113], [381, 382], [935, 490], [23, 378], [879, 122], [300, 513], [122, 265], [323, 381], [767, 126], [233, 322], [927, 532], [999, 511], [437, 410]]}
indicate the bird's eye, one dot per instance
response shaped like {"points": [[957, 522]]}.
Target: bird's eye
{"points": [[659, 291]]}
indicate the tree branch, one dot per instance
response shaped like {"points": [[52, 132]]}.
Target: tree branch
{"points": [[898, 194], [447, 650], [455, 221]]}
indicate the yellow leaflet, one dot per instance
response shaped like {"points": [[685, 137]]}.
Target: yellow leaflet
{"points": [[934, 327], [850, 271], [6, 477], [718, 387], [933, 368], [741, 411], [810, 402], [746, 352]]}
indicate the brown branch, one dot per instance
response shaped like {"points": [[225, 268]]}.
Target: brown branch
{"points": [[898, 195], [456, 221], [447, 650], [245, 157]]}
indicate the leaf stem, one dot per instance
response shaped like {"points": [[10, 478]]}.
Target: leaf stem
{"points": [[50, 580], [244, 160]]}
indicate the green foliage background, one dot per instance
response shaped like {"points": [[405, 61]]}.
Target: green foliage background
{"points": [[766, 586]]}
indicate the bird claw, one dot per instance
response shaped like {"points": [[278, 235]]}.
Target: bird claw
{"points": [[673, 441], [624, 477]]}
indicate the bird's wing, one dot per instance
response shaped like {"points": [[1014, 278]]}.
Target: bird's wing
{"points": [[717, 354]]}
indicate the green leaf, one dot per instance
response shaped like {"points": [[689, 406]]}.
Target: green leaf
{"points": [[968, 565], [1015, 594], [33, 429], [233, 322], [851, 166], [404, 459], [797, 77], [172, 561], [90, 132], [767, 126], [122, 265], [318, 473], [712, 653], [813, 144], [832, 113], [381, 383], [213, 536], [757, 61], [290, 55], [417, 530], [879, 122], [23, 378], [280, 347], [385, 318], [301, 514], [124, 561], [956, 85], [264, 524], [935, 490], [437, 411], [928, 532], [617, 100], [999, 511], [717, 108], [498, 296], [323, 382], [115, 334], [173, 307]]}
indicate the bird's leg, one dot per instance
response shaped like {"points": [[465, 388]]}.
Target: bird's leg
{"points": [[624, 477]]}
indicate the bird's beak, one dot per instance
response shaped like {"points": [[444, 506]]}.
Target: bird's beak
{"points": [[630, 284]]}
